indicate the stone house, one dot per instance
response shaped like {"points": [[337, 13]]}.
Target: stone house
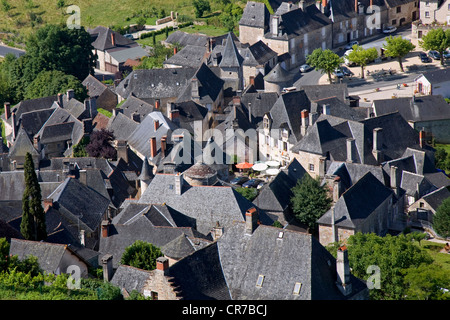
{"points": [[425, 208], [433, 83], [105, 98]]}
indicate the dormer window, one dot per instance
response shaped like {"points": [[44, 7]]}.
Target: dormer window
{"points": [[266, 123]]}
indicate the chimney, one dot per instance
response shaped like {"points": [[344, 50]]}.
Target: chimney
{"points": [[343, 271], [305, 117], [313, 118], [153, 147], [394, 179], [251, 220], [350, 150], [301, 4], [163, 145], [249, 107], [326, 109], [82, 237], [195, 93], [60, 99], [324, 3], [169, 108], [236, 101], [175, 50], [178, 184], [83, 176], [13, 125], [92, 107], [174, 115], [70, 94], [337, 188], [113, 39], [252, 80], [87, 126], [360, 8], [422, 138], [105, 228], [217, 231], [377, 144], [333, 225], [136, 117], [36, 143], [275, 25], [156, 124], [48, 203], [322, 168], [122, 150], [157, 104], [107, 267], [7, 110], [162, 265], [356, 6]]}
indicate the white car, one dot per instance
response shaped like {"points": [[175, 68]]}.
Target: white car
{"points": [[305, 68], [351, 44], [389, 29]]}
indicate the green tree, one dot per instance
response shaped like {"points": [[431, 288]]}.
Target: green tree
{"points": [[362, 57], [309, 201], [391, 254], [398, 48], [426, 282], [436, 39], [441, 220], [79, 150], [48, 83], [326, 61], [141, 255], [33, 226], [442, 159], [248, 193], [200, 7]]}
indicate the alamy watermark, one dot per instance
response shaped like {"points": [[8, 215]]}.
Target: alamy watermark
{"points": [[74, 20]]}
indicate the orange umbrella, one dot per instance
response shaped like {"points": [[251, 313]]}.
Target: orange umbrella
{"points": [[244, 165]]}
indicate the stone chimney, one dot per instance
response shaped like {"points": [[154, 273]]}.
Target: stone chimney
{"points": [[360, 8], [61, 99], [82, 237], [13, 125], [162, 265], [174, 115], [113, 38], [377, 144], [7, 106], [83, 176], [351, 150], [322, 166], [122, 150], [343, 271], [333, 226], [393, 178], [217, 231], [70, 94], [251, 220], [87, 126], [107, 267], [249, 107], [313, 116], [163, 145], [337, 188], [304, 114], [178, 184], [153, 147], [422, 138], [36, 142]]}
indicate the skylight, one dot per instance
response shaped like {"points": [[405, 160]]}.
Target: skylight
{"points": [[297, 287], [260, 280]]}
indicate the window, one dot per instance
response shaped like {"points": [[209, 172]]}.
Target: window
{"points": [[394, 22], [280, 235], [260, 281], [421, 204], [297, 287], [427, 14], [311, 167], [427, 3], [399, 9], [154, 295]]}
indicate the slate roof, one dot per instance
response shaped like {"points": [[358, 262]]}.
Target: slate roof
{"points": [[94, 86], [350, 173], [338, 109], [80, 202], [22, 145], [33, 121], [261, 103], [423, 108], [121, 126], [435, 198], [209, 86], [253, 13], [31, 105], [131, 278], [358, 202], [278, 75], [101, 37], [231, 57], [438, 179], [415, 185], [185, 39], [133, 53], [155, 83], [318, 92], [135, 105], [257, 54], [437, 76], [190, 56], [57, 132], [224, 204]]}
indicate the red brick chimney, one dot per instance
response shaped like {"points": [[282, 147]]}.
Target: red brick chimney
{"points": [[251, 220], [48, 203], [174, 114], [157, 104], [105, 228], [162, 264], [163, 145], [7, 110], [113, 38], [156, 124], [175, 50], [152, 147], [422, 138]]}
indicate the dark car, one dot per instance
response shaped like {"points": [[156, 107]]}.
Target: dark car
{"points": [[434, 54], [346, 71], [239, 180], [252, 183], [424, 58]]}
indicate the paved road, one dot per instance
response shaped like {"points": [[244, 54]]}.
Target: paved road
{"points": [[4, 50]]}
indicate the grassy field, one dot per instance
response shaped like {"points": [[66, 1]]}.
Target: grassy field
{"points": [[433, 249]]}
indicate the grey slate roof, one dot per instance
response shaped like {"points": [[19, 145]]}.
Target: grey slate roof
{"points": [[57, 132], [255, 15], [94, 86], [435, 198], [415, 185], [437, 76], [130, 278], [33, 121], [133, 53], [278, 75], [190, 56], [231, 57], [121, 126], [318, 92], [338, 109], [31, 105], [257, 54], [205, 204], [423, 108], [261, 102], [22, 145], [135, 105], [350, 173], [101, 37], [185, 39], [155, 83], [438, 179], [358, 202]]}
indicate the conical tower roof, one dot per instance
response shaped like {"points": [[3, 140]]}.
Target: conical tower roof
{"points": [[230, 55], [146, 172], [278, 74]]}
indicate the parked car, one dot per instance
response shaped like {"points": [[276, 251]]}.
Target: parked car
{"points": [[260, 185], [434, 54], [389, 29], [305, 68], [351, 44], [346, 71], [424, 58], [338, 73], [446, 54], [239, 180], [128, 36], [346, 61], [252, 183]]}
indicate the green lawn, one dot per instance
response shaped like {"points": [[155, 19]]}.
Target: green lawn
{"points": [[433, 249], [446, 147]]}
